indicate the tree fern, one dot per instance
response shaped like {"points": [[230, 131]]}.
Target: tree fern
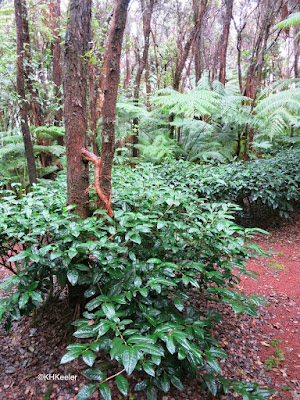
{"points": [[159, 148], [49, 132], [279, 111]]}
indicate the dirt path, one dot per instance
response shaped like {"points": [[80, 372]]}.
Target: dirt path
{"points": [[280, 283], [31, 350]]}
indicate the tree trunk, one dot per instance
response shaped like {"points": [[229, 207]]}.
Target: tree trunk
{"points": [[103, 166], [260, 49], [147, 14], [224, 40], [296, 54], [75, 91], [57, 69], [148, 84], [21, 24], [110, 96], [93, 106], [184, 52], [239, 49], [37, 113]]}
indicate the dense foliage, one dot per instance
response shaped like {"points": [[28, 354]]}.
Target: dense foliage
{"points": [[173, 241], [274, 182], [140, 269]]}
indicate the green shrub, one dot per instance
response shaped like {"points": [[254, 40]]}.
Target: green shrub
{"points": [[274, 182], [142, 270]]}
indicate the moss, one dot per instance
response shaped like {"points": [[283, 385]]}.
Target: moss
{"points": [[276, 265]]}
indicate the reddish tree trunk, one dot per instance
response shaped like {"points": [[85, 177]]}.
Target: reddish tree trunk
{"points": [[75, 91], [224, 40], [110, 96], [103, 166], [93, 106], [22, 37]]}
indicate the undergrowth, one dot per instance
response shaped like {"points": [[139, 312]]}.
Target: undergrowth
{"points": [[140, 270]]}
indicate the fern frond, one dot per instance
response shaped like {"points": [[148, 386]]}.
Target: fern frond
{"points": [[56, 150], [51, 132], [12, 150], [291, 20]]}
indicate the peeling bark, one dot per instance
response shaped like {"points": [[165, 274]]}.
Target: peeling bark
{"points": [[103, 166]]}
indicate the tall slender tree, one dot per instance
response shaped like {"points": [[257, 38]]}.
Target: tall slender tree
{"points": [[56, 60], [224, 39], [147, 10], [22, 53], [184, 53]]}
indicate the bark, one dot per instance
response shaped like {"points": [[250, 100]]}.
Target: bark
{"points": [[296, 55], [184, 52], [28, 70], [259, 50], [156, 61], [147, 14], [148, 84], [128, 69], [57, 68], [103, 166], [254, 74], [37, 113], [110, 95], [239, 49], [22, 36], [224, 40], [93, 105], [96, 90], [197, 44], [75, 91]]}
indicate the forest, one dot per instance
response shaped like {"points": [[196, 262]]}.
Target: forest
{"points": [[149, 199]]}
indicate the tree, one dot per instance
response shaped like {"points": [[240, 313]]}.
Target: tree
{"points": [[103, 166], [56, 66], [184, 53], [224, 40], [147, 10], [75, 93], [22, 53]]}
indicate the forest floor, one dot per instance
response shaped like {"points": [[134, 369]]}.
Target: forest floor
{"points": [[272, 339]]}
